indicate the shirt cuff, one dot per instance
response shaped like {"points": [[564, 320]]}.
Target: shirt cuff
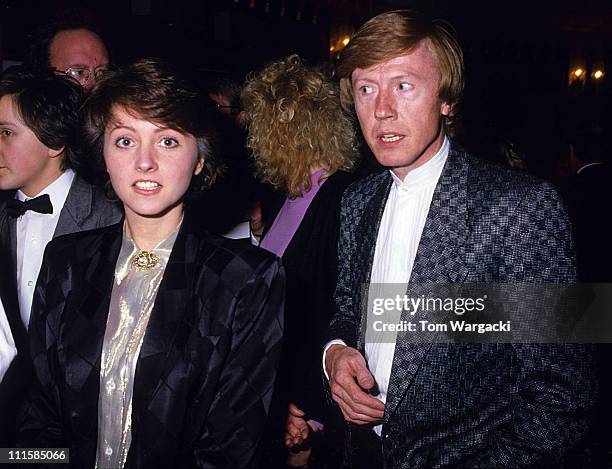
{"points": [[327, 346]]}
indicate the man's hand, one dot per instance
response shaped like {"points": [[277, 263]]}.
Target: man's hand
{"points": [[348, 377]]}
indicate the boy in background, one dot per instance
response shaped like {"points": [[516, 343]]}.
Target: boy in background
{"points": [[39, 124]]}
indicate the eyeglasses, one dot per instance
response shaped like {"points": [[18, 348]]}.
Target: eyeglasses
{"points": [[231, 109], [83, 74]]}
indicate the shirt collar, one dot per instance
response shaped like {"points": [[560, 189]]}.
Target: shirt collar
{"points": [[57, 191], [425, 175], [582, 168]]}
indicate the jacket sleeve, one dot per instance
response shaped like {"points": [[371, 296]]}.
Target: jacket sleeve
{"points": [[556, 385], [345, 322], [235, 420], [39, 418]]}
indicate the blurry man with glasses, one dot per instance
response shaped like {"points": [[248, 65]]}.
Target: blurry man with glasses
{"points": [[73, 49], [80, 54]]}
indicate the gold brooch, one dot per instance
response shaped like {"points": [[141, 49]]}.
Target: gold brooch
{"points": [[144, 260]]}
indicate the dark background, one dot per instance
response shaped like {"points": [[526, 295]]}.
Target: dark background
{"points": [[519, 55]]}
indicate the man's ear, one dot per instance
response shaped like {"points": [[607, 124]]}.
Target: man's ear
{"points": [[55, 153], [199, 166]]}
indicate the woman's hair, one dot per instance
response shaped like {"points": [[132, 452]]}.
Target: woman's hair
{"points": [[396, 33], [48, 105], [296, 124], [153, 91]]}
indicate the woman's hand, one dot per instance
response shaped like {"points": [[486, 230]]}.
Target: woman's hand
{"points": [[297, 427]]}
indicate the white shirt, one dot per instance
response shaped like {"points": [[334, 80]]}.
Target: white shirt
{"points": [[397, 242], [8, 351], [34, 231]]}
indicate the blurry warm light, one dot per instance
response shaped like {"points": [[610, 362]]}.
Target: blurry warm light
{"points": [[578, 72], [332, 48], [346, 40], [598, 74]]}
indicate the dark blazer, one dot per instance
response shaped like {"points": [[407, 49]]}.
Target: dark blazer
{"points": [[589, 199], [472, 405], [16, 378], [208, 361], [311, 264], [85, 208]]}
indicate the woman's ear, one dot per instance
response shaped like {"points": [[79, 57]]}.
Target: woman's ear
{"points": [[199, 166]]}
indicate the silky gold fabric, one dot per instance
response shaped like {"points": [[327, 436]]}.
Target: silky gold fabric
{"points": [[132, 300]]}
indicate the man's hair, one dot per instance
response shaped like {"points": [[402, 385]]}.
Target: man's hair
{"points": [[395, 33], [151, 90], [48, 105], [228, 88], [296, 124]]}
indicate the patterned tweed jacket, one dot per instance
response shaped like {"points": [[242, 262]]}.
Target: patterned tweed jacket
{"points": [[208, 361], [472, 405]]}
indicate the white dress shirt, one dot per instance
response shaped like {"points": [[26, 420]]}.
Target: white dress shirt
{"points": [[34, 231], [397, 242], [8, 351]]}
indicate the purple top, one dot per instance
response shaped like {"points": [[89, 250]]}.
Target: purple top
{"points": [[290, 216]]}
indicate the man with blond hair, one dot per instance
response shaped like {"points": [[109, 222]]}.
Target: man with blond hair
{"points": [[438, 215]]}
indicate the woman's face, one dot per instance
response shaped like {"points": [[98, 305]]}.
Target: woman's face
{"points": [[150, 167]]}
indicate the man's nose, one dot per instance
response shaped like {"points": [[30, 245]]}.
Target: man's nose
{"points": [[88, 84], [385, 107]]}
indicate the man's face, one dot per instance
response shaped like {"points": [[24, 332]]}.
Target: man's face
{"points": [[231, 112], [25, 162], [399, 110], [79, 49]]}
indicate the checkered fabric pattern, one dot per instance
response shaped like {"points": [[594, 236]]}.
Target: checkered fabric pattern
{"points": [[208, 361], [472, 405]]}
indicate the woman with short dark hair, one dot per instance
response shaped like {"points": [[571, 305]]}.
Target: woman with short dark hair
{"points": [[154, 344]]}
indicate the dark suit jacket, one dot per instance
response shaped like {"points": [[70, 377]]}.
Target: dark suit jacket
{"points": [[311, 262], [85, 208], [12, 386], [589, 200], [472, 405], [208, 361]]}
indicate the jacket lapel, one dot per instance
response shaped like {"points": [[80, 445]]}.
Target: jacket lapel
{"points": [[365, 240], [86, 315], [439, 259], [76, 208]]}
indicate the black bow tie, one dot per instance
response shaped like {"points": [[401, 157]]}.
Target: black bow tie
{"points": [[41, 204]]}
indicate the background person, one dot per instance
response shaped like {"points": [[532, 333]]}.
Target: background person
{"points": [[303, 145], [71, 47], [43, 198]]}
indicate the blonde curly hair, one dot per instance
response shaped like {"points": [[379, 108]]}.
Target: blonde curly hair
{"points": [[296, 124]]}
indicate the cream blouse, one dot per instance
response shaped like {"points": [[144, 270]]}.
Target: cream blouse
{"points": [[132, 299]]}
